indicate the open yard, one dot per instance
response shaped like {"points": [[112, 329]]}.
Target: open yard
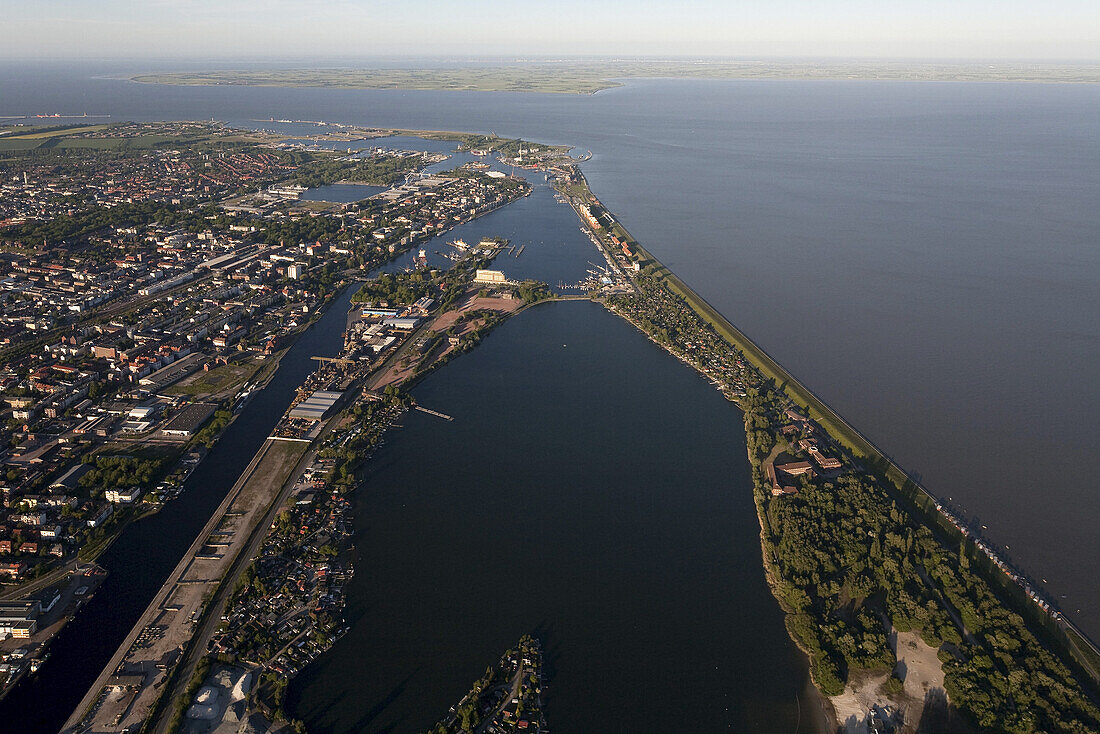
{"points": [[218, 382]]}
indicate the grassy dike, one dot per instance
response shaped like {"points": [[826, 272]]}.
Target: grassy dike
{"points": [[1062, 636], [829, 419]]}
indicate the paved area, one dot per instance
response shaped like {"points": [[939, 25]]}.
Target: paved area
{"points": [[131, 683]]}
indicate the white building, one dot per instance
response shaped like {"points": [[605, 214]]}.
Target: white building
{"points": [[489, 276], [123, 496]]}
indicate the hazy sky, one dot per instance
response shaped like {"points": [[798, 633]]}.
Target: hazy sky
{"points": [[1002, 29]]}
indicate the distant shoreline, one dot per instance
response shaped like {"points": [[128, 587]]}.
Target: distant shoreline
{"points": [[590, 78]]}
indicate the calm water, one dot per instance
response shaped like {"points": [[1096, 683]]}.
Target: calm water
{"points": [[592, 490], [923, 255], [341, 193]]}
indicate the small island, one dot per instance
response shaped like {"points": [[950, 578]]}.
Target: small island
{"points": [[506, 700]]}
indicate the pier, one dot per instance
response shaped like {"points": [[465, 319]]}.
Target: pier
{"points": [[436, 413]]}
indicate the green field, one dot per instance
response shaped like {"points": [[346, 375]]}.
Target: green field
{"points": [[102, 139], [591, 77], [219, 379], [17, 144], [53, 132]]}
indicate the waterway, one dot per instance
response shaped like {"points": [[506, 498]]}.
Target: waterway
{"points": [[545, 240], [146, 552], [341, 193], [591, 490]]}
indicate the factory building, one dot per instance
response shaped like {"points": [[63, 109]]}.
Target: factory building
{"points": [[407, 323], [188, 420], [19, 618], [317, 406]]}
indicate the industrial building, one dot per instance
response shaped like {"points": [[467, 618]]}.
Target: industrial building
{"points": [[145, 412], [173, 373], [407, 323], [188, 420], [19, 618], [386, 313], [316, 406]]}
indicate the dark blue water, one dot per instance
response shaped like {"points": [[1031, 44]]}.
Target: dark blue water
{"points": [[145, 553], [590, 490], [554, 249], [341, 193], [923, 255]]}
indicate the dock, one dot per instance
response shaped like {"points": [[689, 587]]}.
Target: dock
{"points": [[436, 413]]}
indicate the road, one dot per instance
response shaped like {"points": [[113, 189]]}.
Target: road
{"points": [[45, 581], [98, 314], [216, 608], [513, 691], [154, 608]]}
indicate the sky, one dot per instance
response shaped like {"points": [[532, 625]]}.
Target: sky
{"points": [[273, 29]]}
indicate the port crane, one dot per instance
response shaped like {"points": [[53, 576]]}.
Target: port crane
{"points": [[343, 362]]}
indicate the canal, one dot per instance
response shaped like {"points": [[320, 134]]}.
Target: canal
{"points": [[146, 552]]}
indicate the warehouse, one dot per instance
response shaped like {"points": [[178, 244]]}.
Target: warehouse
{"points": [[188, 420], [19, 618], [407, 323], [316, 406]]}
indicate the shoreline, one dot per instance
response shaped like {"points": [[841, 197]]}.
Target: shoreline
{"points": [[761, 516], [589, 78], [994, 580]]}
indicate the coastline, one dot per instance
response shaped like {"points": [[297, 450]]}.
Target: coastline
{"points": [[919, 500], [590, 78], [770, 577], [1005, 586]]}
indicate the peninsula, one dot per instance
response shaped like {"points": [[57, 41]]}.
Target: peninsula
{"points": [[879, 581]]}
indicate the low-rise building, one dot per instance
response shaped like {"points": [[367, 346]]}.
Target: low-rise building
{"points": [[489, 277], [122, 496]]}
